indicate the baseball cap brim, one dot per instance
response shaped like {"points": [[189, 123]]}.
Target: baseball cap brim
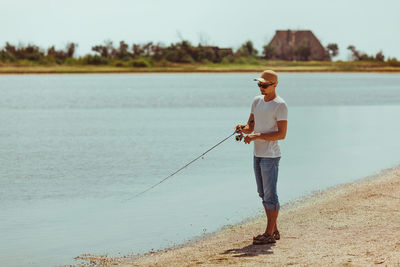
{"points": [[262, 80]]}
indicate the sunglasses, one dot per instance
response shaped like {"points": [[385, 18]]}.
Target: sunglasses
{"points": [[264, 85]]}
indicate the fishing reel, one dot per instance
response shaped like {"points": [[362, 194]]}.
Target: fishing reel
{"points": [[239, 137]]}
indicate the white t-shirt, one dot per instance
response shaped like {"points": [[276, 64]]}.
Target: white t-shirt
{"points": [[266, 114]]}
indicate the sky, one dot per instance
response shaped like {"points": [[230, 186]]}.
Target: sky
{"points": [[370, 25]]}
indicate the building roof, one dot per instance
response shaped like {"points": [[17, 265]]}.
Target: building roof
{"points": [[286, 41]]}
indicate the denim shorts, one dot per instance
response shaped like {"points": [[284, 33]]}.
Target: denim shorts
{"points": [[266, 171]]}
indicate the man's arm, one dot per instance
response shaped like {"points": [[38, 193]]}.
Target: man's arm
{"points": [[274, 136], [248, 128]]}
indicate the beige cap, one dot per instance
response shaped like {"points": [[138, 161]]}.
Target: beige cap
{"points": [[268, 76]]}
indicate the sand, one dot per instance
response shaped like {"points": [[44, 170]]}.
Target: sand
{"points": [[356, 224]]}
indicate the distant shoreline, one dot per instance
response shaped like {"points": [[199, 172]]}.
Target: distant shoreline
{"points": [[289, 67]]}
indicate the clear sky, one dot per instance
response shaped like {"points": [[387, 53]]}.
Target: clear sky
{"points": [[369, 25]]}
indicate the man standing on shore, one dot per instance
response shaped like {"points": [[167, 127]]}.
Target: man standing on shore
{"points": [[268, 121]]}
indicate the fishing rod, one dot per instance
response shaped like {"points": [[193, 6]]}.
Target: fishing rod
{"points": [[238, 138]]}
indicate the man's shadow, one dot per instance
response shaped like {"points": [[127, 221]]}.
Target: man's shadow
{"points": [[250, 250]]}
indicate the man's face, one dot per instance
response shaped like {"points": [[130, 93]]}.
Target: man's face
{"points": [[266, 88]]}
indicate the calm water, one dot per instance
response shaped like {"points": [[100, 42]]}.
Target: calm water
{"points": [[75, 148]]}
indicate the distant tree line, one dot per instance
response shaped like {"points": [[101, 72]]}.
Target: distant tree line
{"points": [[357, 55], [148, 54], [12, 53], [181, 52]]}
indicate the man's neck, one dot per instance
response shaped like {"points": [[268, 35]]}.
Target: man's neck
{"points": [[269, 97]]}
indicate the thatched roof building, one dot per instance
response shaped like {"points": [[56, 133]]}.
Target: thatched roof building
{"points": [[298, 45]]}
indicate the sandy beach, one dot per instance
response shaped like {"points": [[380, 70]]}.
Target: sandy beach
{"points": [[355, 224]]}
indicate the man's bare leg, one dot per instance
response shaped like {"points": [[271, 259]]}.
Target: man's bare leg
{"points": [[272, 216]]}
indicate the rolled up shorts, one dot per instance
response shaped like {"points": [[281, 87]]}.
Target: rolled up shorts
{"points": [[266, 172]]}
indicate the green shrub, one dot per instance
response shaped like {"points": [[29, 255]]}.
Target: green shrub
{"points": [[7, 57], [72, 61], [206, 62], [162, 63], [140, 63], [393, 62], [225, 61], [269, 51], [240, 60], [47, 61], [95, 60], [117, 63]]}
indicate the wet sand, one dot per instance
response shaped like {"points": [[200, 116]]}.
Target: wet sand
{"points": [[356, 224]]}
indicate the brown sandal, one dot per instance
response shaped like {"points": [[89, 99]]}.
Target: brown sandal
{"points": [[276, 235], [264, 239], [260, 236]]}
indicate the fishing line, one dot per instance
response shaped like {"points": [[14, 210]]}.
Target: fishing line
{"points": [[172, 174]]}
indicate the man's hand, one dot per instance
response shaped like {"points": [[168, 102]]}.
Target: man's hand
{"points": [[248, 128], [250, 137], [239, 128]]}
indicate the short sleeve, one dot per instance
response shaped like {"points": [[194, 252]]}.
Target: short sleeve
{"points": [[253, 106], [282, 112]]}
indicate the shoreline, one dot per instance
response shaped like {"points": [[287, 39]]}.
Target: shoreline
{"points": [[362, 230], [193, 72], [348, 67]]}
